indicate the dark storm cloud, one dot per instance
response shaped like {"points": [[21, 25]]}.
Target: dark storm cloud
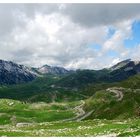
{"points": [[101, 14], [88, 15]]}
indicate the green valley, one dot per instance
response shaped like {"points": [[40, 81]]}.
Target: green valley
{"points": [[83, 103]]}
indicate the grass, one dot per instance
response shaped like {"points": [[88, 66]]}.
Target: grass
{"points": [[45, 114], [130, 127], [42, 119], [39, 90], [106, 106], [12, 111]]}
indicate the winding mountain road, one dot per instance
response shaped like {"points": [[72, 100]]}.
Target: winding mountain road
{"points": [[117, 91], [80, 113], [85, 115]]}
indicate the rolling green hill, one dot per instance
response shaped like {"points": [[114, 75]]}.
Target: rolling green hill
{"points": [[106, 105], [41, 89], [132, 82], [82, 78], [115, 101]]}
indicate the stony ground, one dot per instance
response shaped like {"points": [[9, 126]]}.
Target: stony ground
{"points": [[72, 128]]}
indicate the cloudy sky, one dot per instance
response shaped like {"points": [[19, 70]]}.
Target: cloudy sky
{"points": [[74, 36]]}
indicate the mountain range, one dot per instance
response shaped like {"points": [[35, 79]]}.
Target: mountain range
{"points": [[109, 93], [119, 72], [12, 73]]}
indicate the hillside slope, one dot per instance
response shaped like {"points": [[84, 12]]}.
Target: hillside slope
{"points": [[41, 89], [121, 100]]}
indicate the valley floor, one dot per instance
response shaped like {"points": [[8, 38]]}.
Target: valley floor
{"points": [[59, 119]]}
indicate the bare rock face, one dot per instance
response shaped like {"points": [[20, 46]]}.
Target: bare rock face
{"points": [[127, 65], [52, 70], [12, 73], [124, 70], [120, 64]]}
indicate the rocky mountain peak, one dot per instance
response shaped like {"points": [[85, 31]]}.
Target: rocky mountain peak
{"points": [[12, 73], [52, 70], [120, 64]]}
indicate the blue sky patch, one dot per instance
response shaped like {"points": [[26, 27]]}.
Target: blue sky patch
{"points": [[95, 46], [135, 39], [111, 32], [112, 53]]}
